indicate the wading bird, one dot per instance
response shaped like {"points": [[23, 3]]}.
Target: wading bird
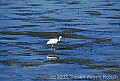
{"points": [[54, 41]]}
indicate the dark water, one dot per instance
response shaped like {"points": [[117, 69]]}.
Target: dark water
{"points": [[91, 29]]}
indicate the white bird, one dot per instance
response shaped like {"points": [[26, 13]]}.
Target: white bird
{"points": [[54, 41]]}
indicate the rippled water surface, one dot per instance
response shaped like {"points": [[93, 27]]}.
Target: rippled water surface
{"points": [[91, 30]]}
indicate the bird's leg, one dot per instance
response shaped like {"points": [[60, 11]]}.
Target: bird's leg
{"points": [[54, 48], [51, 47]]}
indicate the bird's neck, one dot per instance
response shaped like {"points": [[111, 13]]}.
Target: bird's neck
{"points": [[59, 39]]}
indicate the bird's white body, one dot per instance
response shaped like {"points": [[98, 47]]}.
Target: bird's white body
{"points": [[54, 41]]}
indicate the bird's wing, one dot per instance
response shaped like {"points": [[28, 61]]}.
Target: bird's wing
{"points": [[52, 41]]}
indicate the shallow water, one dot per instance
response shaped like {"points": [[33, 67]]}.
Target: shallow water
{"points": [[91, 29]]}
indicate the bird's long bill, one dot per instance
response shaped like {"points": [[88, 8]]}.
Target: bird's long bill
{"points": [[62, 38]]}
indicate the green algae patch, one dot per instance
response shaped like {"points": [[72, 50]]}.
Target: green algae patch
{"points": [[93, 13], [22, 64], [114, 17], [51, 11], [75, 60], [74, 36], [74, 2], [28, 64], [6, 52], [70, 60], [113, 58], [112, 71], [22, 26], [48, 34], [17, 8], [12, 33], [34, 4], [62, 20], [71, 30], [57, 34], [47, 52], [102, 40], [23, 19], [46, 18], [44, 34], [22, 43], [8, 38], [102, 65], [3, 51], [63, 47], [107, 4]]}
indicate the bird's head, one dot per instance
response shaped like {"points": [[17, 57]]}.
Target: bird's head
{"points": [[60, 37]]}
